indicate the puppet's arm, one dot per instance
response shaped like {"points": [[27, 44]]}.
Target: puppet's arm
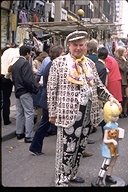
{"points": [[106, 140]]}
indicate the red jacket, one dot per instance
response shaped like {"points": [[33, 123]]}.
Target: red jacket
{"points": [[113, 67]]}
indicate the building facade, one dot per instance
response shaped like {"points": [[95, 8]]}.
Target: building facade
{"points": [[5, 22], [14, 13]]}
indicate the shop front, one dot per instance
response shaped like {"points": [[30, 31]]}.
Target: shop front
{"points": [[5, 23]]}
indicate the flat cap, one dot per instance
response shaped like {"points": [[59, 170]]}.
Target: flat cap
{"points": [[76, 35]]}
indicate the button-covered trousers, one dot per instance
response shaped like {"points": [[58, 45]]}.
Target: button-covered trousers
{"points": [[70, 145]]}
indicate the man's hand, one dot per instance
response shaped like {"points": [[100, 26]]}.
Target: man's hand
{"points": [[10, 69], [113, 100], [52, 120]]}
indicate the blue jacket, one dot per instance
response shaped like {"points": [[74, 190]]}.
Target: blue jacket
{"points": [[44, 63], [43, 98]]}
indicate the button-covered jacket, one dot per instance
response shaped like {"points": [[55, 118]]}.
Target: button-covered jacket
{"points": [[62, 95]]}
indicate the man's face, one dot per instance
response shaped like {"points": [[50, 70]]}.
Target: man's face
{"points": [[77, 48], [125, 53], [27, 56]]}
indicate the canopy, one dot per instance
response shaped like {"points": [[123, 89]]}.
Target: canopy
{"points": [[63, 28]]}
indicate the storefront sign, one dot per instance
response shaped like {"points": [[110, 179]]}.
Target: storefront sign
{"points": [[14, 22]]}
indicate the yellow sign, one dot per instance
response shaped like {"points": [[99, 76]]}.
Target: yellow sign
{"points": [[14, 22]]}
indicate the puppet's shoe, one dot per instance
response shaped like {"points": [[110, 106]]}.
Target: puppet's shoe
{"points": [[109, 179], [99, 182]]}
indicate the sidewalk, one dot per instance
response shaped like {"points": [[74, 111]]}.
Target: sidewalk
{"points": [[21, 169], [9, 131]]}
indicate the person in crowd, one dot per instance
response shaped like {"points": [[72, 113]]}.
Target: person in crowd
{"points": [[126, 52], [110, 147], [92, 50], [7, 59], [37, 143], [101, 65], [73, 89], [34, 53], [114, 46], [52, 128], [121, 53], [114, 78], [92, 47], [91, 53], [38, 110], [38, 61], [103, 74], [25, 85], [44, 62]]}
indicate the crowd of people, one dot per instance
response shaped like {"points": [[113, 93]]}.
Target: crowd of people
{"points": [[63, 92]]}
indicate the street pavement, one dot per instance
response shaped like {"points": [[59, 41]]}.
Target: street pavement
{"points": [[21, 169]]}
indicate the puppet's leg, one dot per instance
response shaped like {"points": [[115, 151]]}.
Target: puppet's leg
{"points": [[103, 169], [108, 178]]}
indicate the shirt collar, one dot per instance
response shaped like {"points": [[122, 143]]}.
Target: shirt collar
{"points": [[102, 61], [23, 57]]}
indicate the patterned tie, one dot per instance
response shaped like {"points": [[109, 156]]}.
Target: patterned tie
{"points": [[77, 69]]}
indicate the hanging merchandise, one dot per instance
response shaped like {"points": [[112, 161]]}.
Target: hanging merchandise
{"points": [[21, 34], [42, 19], [23, 17], [36, 18]]}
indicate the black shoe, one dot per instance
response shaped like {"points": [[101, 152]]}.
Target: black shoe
{"points": [[53, 132], [110, 180], [125, 115], [48, 134], [121, 115], [36, 153], [20, 136], [7, 123], [77, 180], [90, 141], [87, 154], [28, 140]]}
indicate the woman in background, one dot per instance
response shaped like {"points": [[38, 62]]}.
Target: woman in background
{"points": [[121, 54]]}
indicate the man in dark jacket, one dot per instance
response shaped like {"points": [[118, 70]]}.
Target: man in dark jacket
{"points": [[25, 84]]}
